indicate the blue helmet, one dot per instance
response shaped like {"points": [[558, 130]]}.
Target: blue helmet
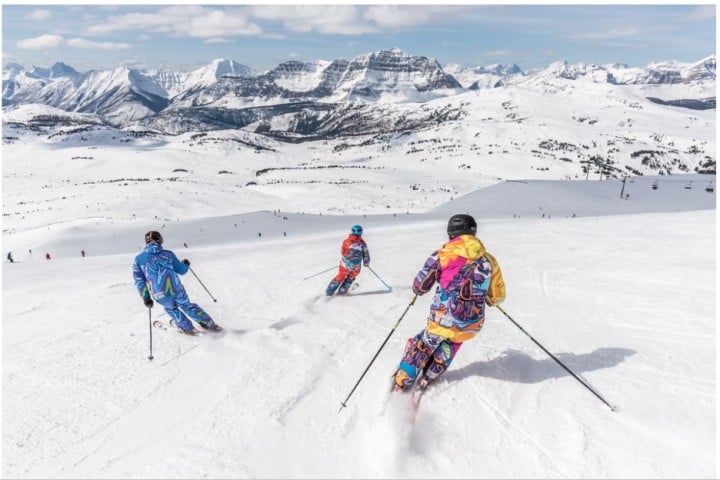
{"points": [[356, 230]]}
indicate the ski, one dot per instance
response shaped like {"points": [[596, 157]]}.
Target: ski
{"points": [[211, 331], [354, 286], [415, 394], [415, 397], [160, 325], [415, 407], [199, 332]]}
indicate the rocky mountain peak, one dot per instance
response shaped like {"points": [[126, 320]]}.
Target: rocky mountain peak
{"points": [[60, 69]]}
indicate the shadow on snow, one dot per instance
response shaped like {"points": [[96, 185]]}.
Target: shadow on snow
{"points": [[516, 366], [371, 292]]}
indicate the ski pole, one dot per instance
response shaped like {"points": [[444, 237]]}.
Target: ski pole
{"points": [[558, 361], [378, 277], [203, 285], [378, 352], [150, 322], [319, 273]]}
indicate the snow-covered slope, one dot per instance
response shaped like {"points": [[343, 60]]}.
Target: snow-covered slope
{"points": [[490, 76], [299, 76], [121, 95], [209, 74], [668, 72], [393, 75], [82, 400], [484, 138], [34, 112]]}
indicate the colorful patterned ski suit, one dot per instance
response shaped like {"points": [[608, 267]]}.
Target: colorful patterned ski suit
{"points": [[155, 273], [468, 278], [354, 252]]}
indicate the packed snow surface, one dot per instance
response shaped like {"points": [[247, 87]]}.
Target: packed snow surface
{"points": [[622, 291]]}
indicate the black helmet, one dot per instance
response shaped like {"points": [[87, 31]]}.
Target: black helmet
{"points": [[461, 225], [153, 236]]}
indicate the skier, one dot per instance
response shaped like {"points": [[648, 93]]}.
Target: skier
{"points": [[155, 273], [9, 257], [82, 253], [354, 251], [47, 256], [468, 279]]}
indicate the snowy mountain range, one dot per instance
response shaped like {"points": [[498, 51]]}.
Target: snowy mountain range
{"points": [[124, 95], [562, 121]]}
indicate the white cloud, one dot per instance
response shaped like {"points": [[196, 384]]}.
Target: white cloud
{"points": [[402, 16], [609, 34], [81, 43], [274, 36], [397, 16], [218, 23], [217, 40], [498, 53], [182, 20], [41, 42], [7, 58], [52, 41], [38, 14], [702, 12], [325, 19]]}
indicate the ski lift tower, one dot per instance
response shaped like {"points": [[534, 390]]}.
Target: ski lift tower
{"points": [[622, 190]]}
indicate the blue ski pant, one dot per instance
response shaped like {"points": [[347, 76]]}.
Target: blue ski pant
{"points": [[182, 310]]}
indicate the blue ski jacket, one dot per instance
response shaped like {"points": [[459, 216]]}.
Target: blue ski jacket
{"points": [[155, 272]]}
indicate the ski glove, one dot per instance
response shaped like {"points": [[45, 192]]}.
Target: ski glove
{"points": [[148, 302], [186, 262]]}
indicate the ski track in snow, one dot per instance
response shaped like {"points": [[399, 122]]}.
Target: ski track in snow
{"points": [[554, 470]]}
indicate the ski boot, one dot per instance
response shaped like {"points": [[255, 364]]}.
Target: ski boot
{"points": [[421, 384], [400, 382], [211, 326]]}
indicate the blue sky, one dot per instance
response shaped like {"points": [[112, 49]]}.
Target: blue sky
{"points": [[185, 37]]}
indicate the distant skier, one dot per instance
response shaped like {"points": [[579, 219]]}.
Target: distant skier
{"points": [[155, 273], [82, 253], [47, 256], [468, 278], [10, 258], [354, 252]]}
